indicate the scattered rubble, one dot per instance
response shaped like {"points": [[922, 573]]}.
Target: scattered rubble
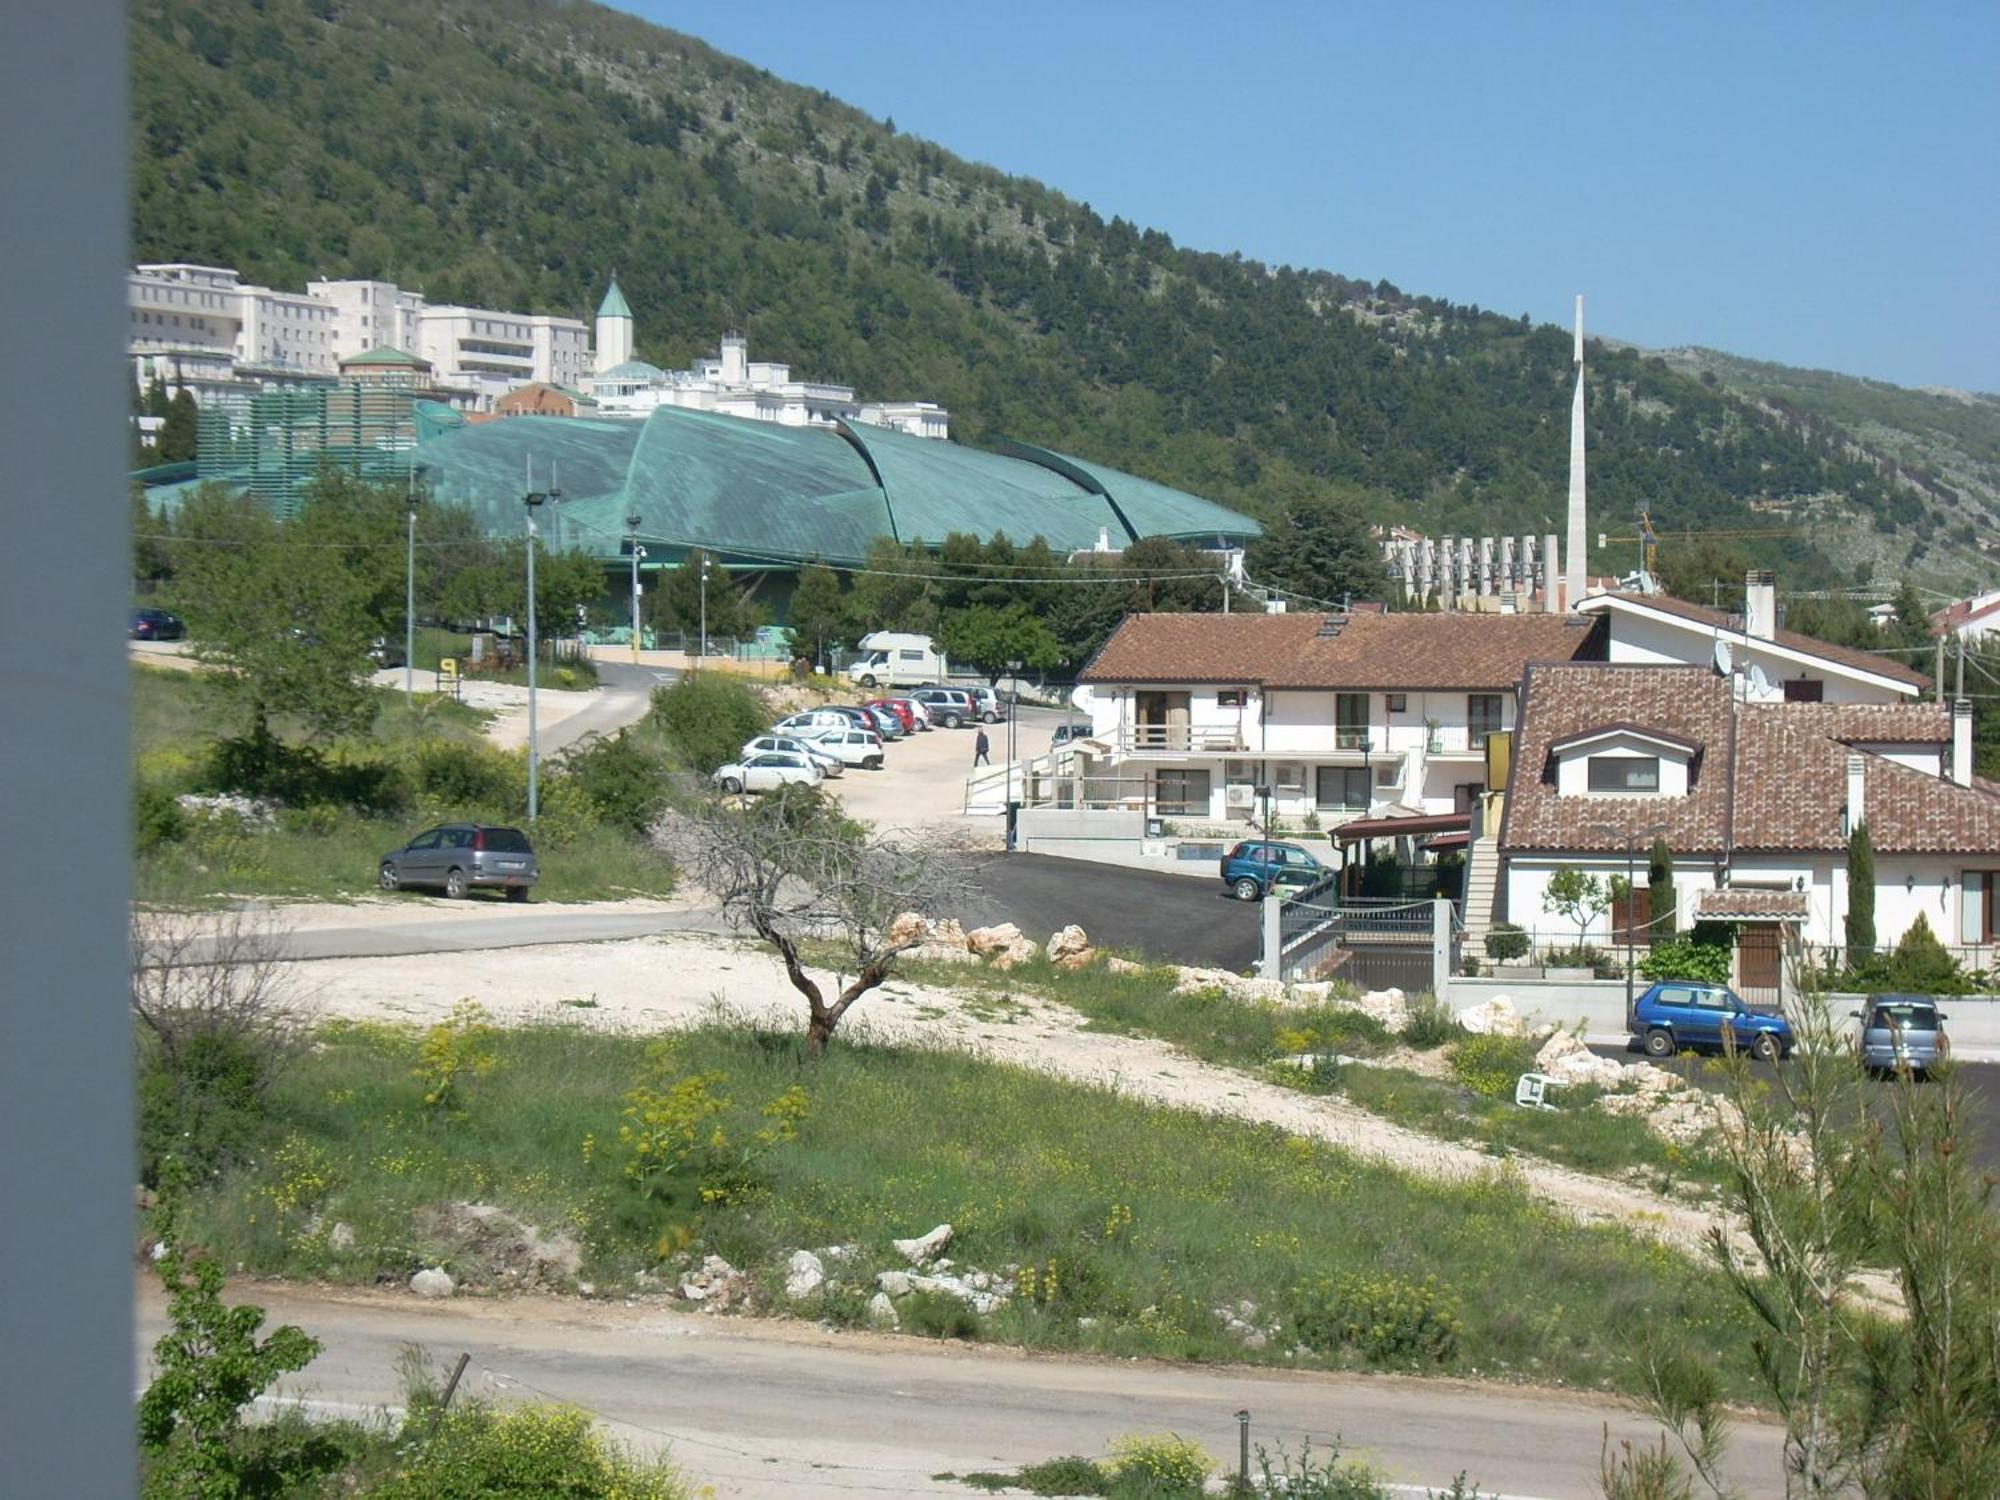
{"points": [[1565, 1059], [492, 1247], [1241, 1320], [925, 1248], [1116, 965], [1496, 1017], [1070, 948], [806, 1275], [715, 1283], [882, 1312], [257, 812], [1189, 979], [987, 940], [434, 1282]]}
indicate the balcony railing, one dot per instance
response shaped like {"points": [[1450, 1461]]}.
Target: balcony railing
{"points": [[1182, 739]]}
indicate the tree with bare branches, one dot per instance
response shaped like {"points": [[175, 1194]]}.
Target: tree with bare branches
{"points": [[220, 1016], [793, 868]]}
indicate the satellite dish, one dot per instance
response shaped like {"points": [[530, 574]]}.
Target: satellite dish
{"points": [[1760, 681], [1723, 660]]}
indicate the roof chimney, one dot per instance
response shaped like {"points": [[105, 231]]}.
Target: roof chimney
{"points": [[1961, 741], [1760, 603], [1857, 779]]}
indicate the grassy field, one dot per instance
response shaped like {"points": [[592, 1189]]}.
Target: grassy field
{"points": [[1258, 1035], [420, 763], [1130, 1222]]}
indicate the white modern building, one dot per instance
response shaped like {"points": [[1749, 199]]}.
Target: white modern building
{"points": [[732, 384], [1976, 620], [224, 339]]}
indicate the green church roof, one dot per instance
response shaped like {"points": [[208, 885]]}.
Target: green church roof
{"points": [[382, 354], [614, 304]]}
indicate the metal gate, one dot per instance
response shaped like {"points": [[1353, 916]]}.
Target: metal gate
{"points": [[1370, 942]]}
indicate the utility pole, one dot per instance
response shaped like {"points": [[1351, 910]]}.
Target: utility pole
{"points": [[1225, 593], [632, 526], [1939, 679], [1959, 692], [1013, 702]]}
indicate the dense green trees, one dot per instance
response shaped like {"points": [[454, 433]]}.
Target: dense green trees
{"points": [[684, 602], [818, 614], [1320, 548]]}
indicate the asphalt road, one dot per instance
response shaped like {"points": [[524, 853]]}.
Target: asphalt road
{"points": [[773, 1409], [624, 693], [1168, 918], [1980, 1079]]}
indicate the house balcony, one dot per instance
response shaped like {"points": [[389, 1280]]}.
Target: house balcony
{"points": [[1179, 739]]}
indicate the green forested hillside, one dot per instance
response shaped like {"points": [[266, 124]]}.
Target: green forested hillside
{"points": [[514, 154]]}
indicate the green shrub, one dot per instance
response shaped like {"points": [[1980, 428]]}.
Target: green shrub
{"points": [[1505, 942], [707, 716], [1490, 1065], [261, 765], [1683, 958], [1431, 1023], [1327, 1477], [157, 818], [475, 1452], [204, 1108], [1920, 965], [459, 775], [623, 785], [1158, 1464], [1069, 1475], [938, 1315], [1385, 1319]]}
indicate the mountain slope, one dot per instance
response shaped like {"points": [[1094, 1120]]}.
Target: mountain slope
{"points": [[513, 154]]}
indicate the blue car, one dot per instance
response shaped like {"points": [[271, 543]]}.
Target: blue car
{"points": [[1682, 1015], [1255, 865]]}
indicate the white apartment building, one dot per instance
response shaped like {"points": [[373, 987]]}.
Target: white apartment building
{"points": [[203, 327], [729, 382]]}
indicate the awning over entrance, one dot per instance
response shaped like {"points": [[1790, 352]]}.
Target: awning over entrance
{"points": [[1747, 904], [1395, 828]]}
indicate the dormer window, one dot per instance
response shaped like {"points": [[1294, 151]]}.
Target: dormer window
{"points": [[1633, 775]]}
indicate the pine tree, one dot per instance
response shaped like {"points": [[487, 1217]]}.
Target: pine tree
{"points": [[1660, 892], [180, 434], [819, 613]]}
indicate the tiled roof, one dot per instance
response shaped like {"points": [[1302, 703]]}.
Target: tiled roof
{"points": [[1392, 652], [1741, 903], [1715, 619], [1199, 648], [1787, 762], [1462, 650], [1963, 612], [1691, 703]]}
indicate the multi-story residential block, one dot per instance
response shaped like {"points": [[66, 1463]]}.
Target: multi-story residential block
{"points": [[1332, 717]]}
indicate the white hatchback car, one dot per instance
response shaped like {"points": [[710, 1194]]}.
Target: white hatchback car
{"points": [[810, 723], [768, 772], [792, 744], [855, 747]]}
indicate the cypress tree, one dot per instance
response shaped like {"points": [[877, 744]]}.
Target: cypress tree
{"points": [[1860, 893], [1660, 892]]}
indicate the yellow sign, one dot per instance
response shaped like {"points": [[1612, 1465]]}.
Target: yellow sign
{"points": [[448, 670]]}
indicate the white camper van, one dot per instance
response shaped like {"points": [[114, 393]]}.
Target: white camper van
{"points": [[892, 659]]}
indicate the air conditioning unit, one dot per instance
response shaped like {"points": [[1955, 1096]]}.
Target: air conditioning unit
{"points": [[1240, 794]]}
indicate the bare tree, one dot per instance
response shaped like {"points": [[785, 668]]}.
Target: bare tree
{"points": [[792, 868]]}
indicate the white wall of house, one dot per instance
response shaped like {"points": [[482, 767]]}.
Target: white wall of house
{"points": [[1905, 886], [1573, 768], [1638, 640]]}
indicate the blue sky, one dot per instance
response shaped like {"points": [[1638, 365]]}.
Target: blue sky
{"points": [[1815, 184]]}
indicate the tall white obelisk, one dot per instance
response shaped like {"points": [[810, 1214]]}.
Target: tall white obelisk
{"points": [[1574, 553]]}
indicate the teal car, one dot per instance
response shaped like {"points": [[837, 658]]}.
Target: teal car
{"points": [[1255, 867]]}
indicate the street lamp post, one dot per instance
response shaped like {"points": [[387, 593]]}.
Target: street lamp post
{"points": [[410, 596], [632, 525], [533, 499], [704, 610]]}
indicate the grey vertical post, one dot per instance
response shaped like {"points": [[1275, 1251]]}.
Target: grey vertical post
{"points": [[1270, 912], [1442, 918], [66, 1167], [1243, 1451]]}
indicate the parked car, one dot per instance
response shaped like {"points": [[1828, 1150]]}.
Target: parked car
{"points": [[768, 772], [899, 707], [918, 712], [1074, 729], [385, 653], [792, 744], [156, 625], [1678, 1015], [1902, 1031], [950, 707], [1255, 866], [986, 704], [886, 722], [459, 857], [855, 747], [811, 721]]}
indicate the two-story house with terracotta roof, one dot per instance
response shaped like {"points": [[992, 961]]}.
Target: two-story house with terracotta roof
{"points": [[1328, 717], [1756, 799]]}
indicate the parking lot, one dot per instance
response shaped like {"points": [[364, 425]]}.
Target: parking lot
{"points": [[922, 781]]}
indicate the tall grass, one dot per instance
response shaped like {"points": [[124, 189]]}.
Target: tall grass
{"points": [[1135, 1220]]}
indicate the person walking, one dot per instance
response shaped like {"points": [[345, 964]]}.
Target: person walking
{"points": [[980, 747]]}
